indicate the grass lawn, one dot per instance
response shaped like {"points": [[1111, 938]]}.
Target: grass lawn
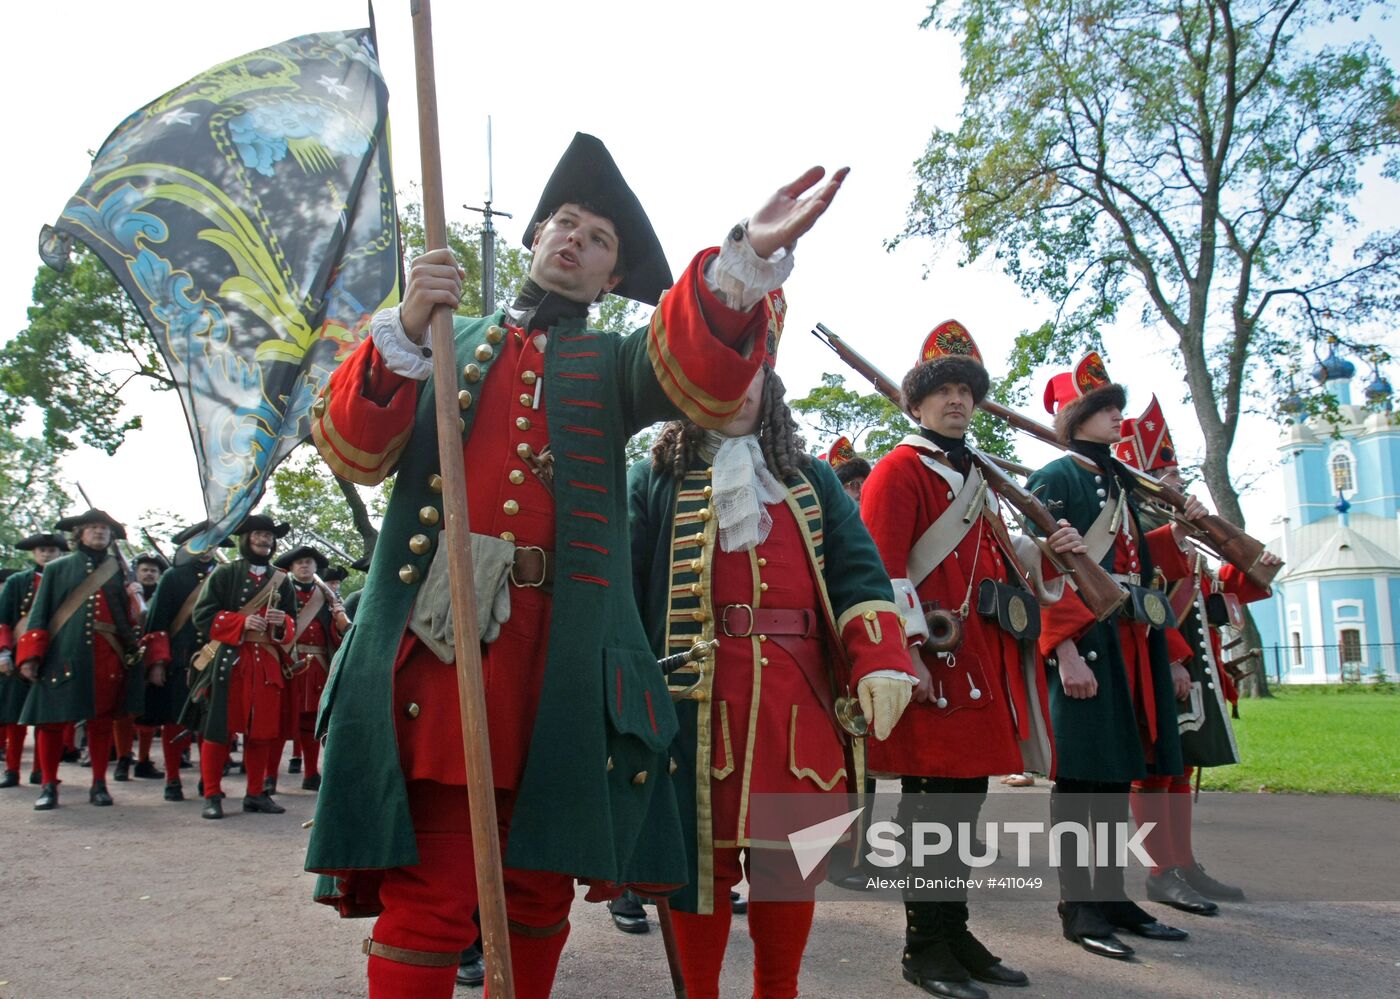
{"points": [[1329, 740]]}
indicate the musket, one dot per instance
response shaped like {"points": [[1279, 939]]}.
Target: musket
{"points": [[155, 546], [1096, 587], [1221, 536], [471, 688], [331, 546]]}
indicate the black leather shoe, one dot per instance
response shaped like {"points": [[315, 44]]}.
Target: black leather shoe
{"points": [[200, 789], [73, 756], [269, 786], [123, 769], [11, 779], [312, 783], [261, 803], [628, 914], [48, 798], [174, 792], [97, 794], [294, 765], [854, 881], [1156, 931], [738, 904], [1170, 888], [146, 770], [1000, 974], [939, 987], [1109, 946], [36, 777], [471, 971], [213, 807], [1196, 876]]}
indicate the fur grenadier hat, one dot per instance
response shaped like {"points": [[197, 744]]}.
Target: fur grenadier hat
{"points": [[1075, 395], [844, 461], [1147, 443], [949, 356]]}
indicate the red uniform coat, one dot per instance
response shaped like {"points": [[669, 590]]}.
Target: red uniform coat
{"points": [[258, 701], [969, 736], [310, 671], [1232, 581]]}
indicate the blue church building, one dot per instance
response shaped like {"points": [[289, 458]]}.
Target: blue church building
{"points": [[1336, 603]]}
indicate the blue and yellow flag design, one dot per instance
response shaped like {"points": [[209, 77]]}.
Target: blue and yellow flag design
{"points": [[249, 214]]}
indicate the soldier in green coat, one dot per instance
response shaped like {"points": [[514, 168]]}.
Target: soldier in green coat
{"points": [[78, 652], [16, 597]]}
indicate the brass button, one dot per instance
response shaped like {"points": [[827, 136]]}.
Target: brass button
{"points": [[435, 483], [409, 574], [419, 544], [523, 450], [318, 408], [528, 377], [763, 638], [696, 564], [472, 373], [429, 515], [698, 615], [516, 476], [870, 615], [464, 399], [610, 764], [639, 778], [763, 661], [699, 694], [484, 352], [709, 473], [495, 334], [762, 561], [522, 423], [508, 536], [763, 587], [461, 425], [510, 507], [709, 491], [706, 513], [526, 398], [697, 589], [411, 710]]}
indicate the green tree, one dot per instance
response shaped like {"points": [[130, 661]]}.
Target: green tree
{"points": [[1195, 160], [308, 496], [31, 495]]}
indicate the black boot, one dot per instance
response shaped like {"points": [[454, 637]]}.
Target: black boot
{"points": [[311, 783], [97, 794], [174, 791], [628, 914], [36, 777], [1171, 888], [294, 765], [73, 756], [11, 779], [982, 964], [123, 769], [928, 962], [261, 803], [48, 798], [1198, 879], [146, 770], [213, 807]]}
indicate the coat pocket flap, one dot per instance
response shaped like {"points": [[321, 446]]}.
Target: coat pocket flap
{"points": [[638, 703]]}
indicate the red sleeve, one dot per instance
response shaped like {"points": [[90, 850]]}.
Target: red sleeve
{"points": [[1065, 619], [364, 416], [1233, 580], [681, 345], [155, 648], [1167, 554], [228, 627], [889, 505], [7, 638], [1178, 648], [874, 640], [33, 644]]}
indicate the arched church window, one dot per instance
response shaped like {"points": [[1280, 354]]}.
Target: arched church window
{"points": [[1343, 477]]}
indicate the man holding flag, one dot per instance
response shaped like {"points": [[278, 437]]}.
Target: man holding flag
{"points": [[580, 718]]}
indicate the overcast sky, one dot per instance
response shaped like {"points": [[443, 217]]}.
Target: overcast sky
{"points": [[707, 108]]}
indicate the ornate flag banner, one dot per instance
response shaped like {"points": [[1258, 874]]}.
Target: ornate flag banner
{"points": [[249, 214]]}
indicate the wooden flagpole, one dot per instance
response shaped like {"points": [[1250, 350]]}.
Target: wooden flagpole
{"points": [[486, 845]]}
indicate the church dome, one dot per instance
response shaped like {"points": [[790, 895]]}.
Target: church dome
{"points": [[1332, 367], [1379, 391]]}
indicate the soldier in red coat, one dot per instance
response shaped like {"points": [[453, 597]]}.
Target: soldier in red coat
{"points": [[980, 704], [1203, 603], [16, 597], [321, 623]]}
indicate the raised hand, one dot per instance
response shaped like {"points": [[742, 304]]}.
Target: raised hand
{"points": [[433, 279], [787, 215]]}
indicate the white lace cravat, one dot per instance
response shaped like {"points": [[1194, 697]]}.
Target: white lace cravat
{"points": [[742, 487]]}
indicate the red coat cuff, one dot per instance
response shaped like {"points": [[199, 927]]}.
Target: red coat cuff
{"points": [[1167, 554], [1178, 648], [7, 637], [33, 644], [1233, 580], [228, 627], [364, 417], [874, 641], [156, 648], [1067, 619]]}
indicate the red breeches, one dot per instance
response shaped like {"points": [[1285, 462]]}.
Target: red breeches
{"points": [[1165, 800], [14, 745], [173, 748]]}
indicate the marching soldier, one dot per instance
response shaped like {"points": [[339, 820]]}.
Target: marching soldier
{"points": [[320, 624], [549, 403], [82, 629], [851, 469], [131, 733], [980, 703], [1112, 706], [169, 644], [16, 598], [1203, 602], [739, 537], [360, 564], [244, 612]]}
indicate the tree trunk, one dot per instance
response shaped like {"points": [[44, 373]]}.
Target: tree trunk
{"points": [[359, 513]]}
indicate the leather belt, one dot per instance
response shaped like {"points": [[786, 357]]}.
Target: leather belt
{"points": [[112, 636], [421, 958], [311, 650], [742, 621], [532, 566], [1127, 578]]}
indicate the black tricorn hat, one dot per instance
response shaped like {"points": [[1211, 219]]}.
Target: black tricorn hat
{"points": [[262, 522], [587, 175], [305, 551], [361, 564], [335, 573], [43, 541], [93, 516], [151, 558], [194, 530]]}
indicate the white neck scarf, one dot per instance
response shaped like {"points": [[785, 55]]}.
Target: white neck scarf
{"points": [[741, 488]]}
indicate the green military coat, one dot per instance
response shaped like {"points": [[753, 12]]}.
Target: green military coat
{"points": [[163, 704], [63, 690], [16, 595]]}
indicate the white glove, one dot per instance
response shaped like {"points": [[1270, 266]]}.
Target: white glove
{"points": [[882, 701]]}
